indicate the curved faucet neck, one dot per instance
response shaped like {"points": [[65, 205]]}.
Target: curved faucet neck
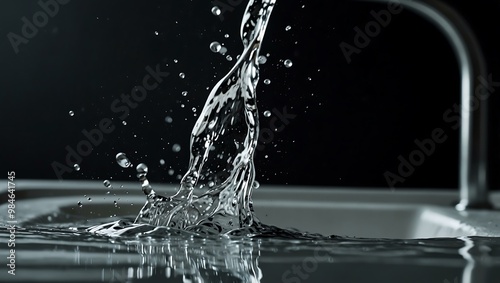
{"points": [[473, 181]]}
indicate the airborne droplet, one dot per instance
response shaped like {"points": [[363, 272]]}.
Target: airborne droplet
{"points": [[107, 183], [215, 46], [71, 113], [142, 168], [223, 50], [267, 113], [176, 148], [288, 63], [77, 167], [256, 184], [216, 11], [122, 160]]}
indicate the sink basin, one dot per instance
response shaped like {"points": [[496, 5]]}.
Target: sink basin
{"points": [[374, 213], [364, 213], [400, 236]]}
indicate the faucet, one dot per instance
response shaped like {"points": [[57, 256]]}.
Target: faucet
{"points": [[473, 183]]}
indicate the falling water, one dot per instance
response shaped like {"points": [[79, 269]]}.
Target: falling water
{"points": [[215, 194]]}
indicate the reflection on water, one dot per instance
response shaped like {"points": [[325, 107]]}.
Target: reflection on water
{"points": [[51, 253]]}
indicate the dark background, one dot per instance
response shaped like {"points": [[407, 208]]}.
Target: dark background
{"points": [[352, 120]]}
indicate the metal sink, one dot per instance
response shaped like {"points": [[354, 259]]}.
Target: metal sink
{"points": [[374, 213]]}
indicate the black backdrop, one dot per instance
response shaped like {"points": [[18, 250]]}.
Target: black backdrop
{"points": [[348, 122]]}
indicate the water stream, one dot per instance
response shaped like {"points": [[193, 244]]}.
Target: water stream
{"points": [[215, 195]]}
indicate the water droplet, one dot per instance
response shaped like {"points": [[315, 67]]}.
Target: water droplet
{"points": [[124, 123], [193, 109], [182, 75], [288, 63], [71, 113], [226, 35], [142, 169], [223, 50], [267, 81], [77, 167], [122, 160], [107, 183], [168, 119], [89, 199], [176, 148], [267, 113], [80, 204], [162, 162], [176, 61], [215, 46], [216, 11], [262, 59], [287, 28], [229, 58], [211, 184], [171, 172], [256, 184], [184, 93], [156, 33]]}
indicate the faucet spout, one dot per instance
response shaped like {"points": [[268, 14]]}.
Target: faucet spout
{"points": [[473, 181]]}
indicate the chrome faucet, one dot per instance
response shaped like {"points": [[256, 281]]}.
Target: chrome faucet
{"points": [[473, 183]]}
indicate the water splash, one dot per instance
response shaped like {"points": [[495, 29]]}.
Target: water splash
{"points": [[215, 195]]}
